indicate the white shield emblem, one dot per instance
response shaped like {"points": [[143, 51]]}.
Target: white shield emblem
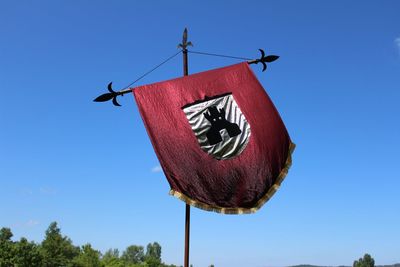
{"points": [[219, 125]]}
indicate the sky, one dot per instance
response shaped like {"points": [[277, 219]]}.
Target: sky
{"points": [[91, 167]]}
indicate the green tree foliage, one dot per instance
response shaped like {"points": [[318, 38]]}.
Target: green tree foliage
{"points": [[111, 259], [153, 255], [133, 254], [5, 234], [111, 253], [88, 257], [152, 262], [6, 247], [366, 261], [57, 250], [154, 251], [27, 253]]}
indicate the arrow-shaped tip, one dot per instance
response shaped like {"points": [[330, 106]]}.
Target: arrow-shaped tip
{"points": [[184, 37], [104, 97]]}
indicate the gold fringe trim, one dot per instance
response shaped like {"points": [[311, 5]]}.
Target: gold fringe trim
{"points": [[258, 205]]}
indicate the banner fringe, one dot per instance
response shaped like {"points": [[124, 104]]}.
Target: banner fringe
{"points": [[258, 205]]}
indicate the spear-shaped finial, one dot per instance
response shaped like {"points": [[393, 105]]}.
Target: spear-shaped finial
{"points": [[263, 59], [185, 43], [111, 95]]}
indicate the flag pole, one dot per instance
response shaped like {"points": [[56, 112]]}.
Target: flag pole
{"points": [[184, 46]]}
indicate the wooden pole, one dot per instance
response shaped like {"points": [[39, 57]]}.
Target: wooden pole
{"points": [[187, 235], [184, 45], [187, 211]]}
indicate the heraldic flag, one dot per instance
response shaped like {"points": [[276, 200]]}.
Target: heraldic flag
{"points": [[219, 139]]}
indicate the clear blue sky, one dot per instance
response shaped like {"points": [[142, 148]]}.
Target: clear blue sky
{"points": [[91, 166]]}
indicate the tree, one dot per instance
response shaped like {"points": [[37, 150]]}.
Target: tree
{"points": [[6, 247], [88, 257], [133, 254], [111, 253], [366, 261], [154, 251], [57, 250], [111, 259], [26, 253], [153, 255], [5, 234]]}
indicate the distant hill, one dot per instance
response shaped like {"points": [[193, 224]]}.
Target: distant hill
{"points": [[308, 265]]}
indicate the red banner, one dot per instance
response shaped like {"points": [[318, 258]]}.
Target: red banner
{"points": [[219, 139]]}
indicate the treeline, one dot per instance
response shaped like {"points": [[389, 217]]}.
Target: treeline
{"points": [[57, 250], [365, 261]]}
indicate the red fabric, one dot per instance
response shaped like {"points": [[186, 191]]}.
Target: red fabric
{"points": [[239, 182]]}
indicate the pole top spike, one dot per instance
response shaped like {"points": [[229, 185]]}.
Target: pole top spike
{"points": [[185, 43]]}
